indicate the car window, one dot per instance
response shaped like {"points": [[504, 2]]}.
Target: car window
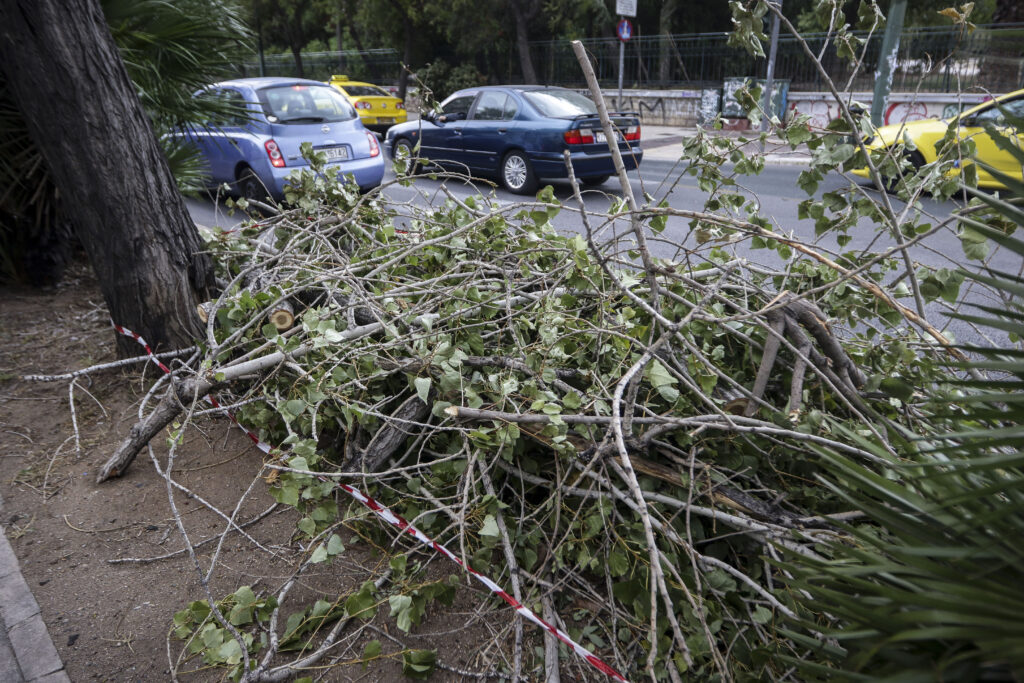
{"points": [[561, 103], [302, 104], [491, 106], [236, 101], [226, 107], [366, 91], [511, 109], [460, 105], [997, 114]]}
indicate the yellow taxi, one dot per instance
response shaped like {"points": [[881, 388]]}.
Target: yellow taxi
{"points": [[973, 123], [378, 109]]}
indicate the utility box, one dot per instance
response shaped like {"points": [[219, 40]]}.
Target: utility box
{"points": [[710, 105], [731, 107]]}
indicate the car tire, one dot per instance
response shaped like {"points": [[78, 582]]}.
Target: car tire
{"points": [[594, 181], [404, 148], [250, 186], [516, 173]]}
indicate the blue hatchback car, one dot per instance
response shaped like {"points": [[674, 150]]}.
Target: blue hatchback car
{"points": [[257, 148], [519, 133]]}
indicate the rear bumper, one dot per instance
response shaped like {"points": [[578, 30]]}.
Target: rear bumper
{"points": [[367, 173], [584, 164]]}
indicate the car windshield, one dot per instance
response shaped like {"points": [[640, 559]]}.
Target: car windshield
{"points": [[366, 91], [561, 103], [305, 104]]}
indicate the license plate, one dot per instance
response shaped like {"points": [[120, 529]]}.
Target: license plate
{"points": [[385, 119], [600, 137], [334, 153]]}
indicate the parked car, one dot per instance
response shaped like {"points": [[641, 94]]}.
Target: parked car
{"points": [[378, 109], [927, 134], [256, 149], [518, 133]]}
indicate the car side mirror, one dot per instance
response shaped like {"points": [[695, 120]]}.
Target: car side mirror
{"points": [[968, 122]]}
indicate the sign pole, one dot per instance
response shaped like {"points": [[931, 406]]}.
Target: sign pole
{"points": [[770, 76], [622, 62], [624, 29]]}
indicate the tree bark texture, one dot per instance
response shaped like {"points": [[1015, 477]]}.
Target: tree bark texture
{"points": [[82, 111], [668, 10], [522, 12]]}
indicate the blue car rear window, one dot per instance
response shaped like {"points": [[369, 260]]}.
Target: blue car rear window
{"points": [[305, 104], [561, 103]]}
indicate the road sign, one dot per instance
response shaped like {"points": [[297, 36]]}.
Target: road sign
{"points": [[625, 8], [624, 30]]}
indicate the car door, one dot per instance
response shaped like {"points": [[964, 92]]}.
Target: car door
{"points": [[442, 136], [980, 126], [218, 138], [485, 137]]}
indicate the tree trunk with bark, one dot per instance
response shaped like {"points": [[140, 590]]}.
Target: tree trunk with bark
{"points": [[668, 9], [82, 111], [403, 74], [522, 12]]}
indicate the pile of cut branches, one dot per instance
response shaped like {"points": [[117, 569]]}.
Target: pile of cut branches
{"points": [[627, 438]]}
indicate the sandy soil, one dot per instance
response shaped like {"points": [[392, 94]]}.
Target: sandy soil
{"points": [[111, 620]]}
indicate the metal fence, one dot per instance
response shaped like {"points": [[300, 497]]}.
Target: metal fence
{"points": [[929, 60], [376, 66], [991, 58]]}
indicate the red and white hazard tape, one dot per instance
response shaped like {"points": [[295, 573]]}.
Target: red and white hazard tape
{"points": [[397, 521]]}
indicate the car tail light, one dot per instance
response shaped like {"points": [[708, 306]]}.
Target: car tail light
{"points": [[364, 105], [374, 147], [633, 133], [274, 152], [400, 105], [578, 136]]}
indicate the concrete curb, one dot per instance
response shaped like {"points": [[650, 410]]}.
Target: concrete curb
{"points": [[27, 653], [675, 152]]}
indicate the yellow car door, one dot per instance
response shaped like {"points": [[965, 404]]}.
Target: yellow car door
{"points": [[977, 126]]}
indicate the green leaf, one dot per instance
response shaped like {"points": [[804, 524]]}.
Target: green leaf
{"points": [[230, 652], [400, 608], [418, 663], [490, 527], [307, 526], [362, 604], [319, 555], [334, 545], [423, 388], [372, 650], [245, 597]]}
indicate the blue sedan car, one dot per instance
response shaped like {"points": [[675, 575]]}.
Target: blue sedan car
{"points": [[256, 147], [518, 133]]}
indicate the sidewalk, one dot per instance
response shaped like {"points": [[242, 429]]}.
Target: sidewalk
{"points": [[665, 143], [27, 653]]}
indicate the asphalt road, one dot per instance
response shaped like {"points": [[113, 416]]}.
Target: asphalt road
{"points": [[779, 196]]}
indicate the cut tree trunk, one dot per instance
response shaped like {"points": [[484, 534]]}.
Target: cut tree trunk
{"points": [[83, 113]]}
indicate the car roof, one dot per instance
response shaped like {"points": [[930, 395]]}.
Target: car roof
{"points": [[514, 88], [267, 81], [342, 84]]}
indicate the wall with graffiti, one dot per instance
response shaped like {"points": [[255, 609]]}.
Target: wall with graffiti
{"points": [[659, 107], [690, 107], [901, 107]]}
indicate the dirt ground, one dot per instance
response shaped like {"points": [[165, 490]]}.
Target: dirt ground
{"points": [[111, 621]]}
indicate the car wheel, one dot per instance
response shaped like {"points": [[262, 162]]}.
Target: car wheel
{"points": [[517, 174], [250, 186], [405, 152], [594, 181]]}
